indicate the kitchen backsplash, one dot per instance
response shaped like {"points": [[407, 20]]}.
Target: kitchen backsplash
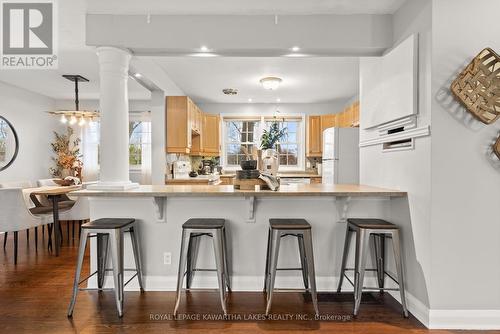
{"points": [[312, 164]]}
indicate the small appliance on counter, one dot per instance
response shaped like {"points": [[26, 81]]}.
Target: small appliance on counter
{"points": [[181, 169], [206, 167]]}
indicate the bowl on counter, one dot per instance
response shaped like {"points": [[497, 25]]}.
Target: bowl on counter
{"points": [[248, 164]]}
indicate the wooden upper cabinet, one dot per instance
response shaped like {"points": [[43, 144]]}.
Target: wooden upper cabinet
{"points": [[328, 121], [178, 125], [208, 143], [195, 117], [314, 136], [211, 135]]}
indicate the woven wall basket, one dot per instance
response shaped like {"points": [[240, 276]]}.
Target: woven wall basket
{"points": [[496, 147], [478, 86]]}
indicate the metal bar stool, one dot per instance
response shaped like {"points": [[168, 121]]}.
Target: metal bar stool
{"points": [[108, 230], [301, 229], [379, 229], [192, 231]]}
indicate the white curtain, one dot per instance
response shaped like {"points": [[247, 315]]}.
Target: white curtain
{"points": [[146, 148], [90, 152]]}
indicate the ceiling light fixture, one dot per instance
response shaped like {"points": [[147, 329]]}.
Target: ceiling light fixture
{"points": [[138, 75], [271, 83], [230, 91], [249, 100], [82, 121], [295, 49], [75, 113], [278, 100], [204, 48]]}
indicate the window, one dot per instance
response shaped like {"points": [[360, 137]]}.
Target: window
{"points": [[288, 147], [240, 140], [90, 151], [3, 140], [241, 135], [139, 136]]}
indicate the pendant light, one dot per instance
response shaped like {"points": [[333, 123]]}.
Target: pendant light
{"points": [[75, 116]]}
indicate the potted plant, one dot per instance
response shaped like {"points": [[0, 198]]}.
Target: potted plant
{"points": [[268, 143], [66, 149]]}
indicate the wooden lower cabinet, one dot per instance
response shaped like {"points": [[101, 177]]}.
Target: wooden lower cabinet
{"points": [[316, 180]]}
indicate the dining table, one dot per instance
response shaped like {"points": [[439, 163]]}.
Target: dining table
{"points": [[54, 194]]}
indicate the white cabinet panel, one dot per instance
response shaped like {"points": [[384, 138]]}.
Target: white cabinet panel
{"points": [[389, 84]]}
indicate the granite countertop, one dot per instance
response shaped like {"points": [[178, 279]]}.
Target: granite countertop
{"points": [[228, 190]]}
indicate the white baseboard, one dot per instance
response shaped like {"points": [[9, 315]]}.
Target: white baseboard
{"points": [[432, 319], [464, 319]]}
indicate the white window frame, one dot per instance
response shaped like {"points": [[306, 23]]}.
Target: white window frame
{"points": [[136, 116], [301, 138]]}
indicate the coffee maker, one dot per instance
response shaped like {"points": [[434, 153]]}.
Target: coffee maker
{"points": [[206, 167]]}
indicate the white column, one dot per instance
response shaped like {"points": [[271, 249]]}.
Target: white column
{"points": [[114, 139], [158, 156]]}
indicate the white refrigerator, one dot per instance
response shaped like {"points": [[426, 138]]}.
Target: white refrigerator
{"points": [[340, 162]]}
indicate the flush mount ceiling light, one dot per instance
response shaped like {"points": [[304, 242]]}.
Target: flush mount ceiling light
{"points": [[230, 91], [271, 83], [73, 115]]}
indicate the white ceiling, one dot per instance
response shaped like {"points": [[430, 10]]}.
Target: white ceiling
{"points": [[244, 7], [305, 80], [51, 83], [74, 58]]}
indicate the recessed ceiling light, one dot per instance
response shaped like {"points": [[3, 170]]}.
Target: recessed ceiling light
{"points": [[295, 49], [249, 100], [278, 100], [271, 83], [203, 54], [138, 75], [203, 48]]}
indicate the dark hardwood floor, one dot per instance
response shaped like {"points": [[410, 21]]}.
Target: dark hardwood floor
{"points": [[34, 296]]}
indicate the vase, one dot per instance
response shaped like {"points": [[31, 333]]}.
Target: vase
{"points": [[66, 172]]}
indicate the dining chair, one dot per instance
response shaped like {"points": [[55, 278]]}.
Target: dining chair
{"points": [[65, 203], [15, 215], [23, 185]]}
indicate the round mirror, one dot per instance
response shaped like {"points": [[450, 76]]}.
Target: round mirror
{"points": [[9, 144]]}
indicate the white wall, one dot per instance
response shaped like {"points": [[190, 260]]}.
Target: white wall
{"points": [[465, 177], [134, 105], [270, 108], [27, 112], [409, 170]]}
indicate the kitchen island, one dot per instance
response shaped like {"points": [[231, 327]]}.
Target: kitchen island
{"points": [[161, 211]]}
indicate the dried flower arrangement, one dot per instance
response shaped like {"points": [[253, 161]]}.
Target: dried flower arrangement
{"points": [[67, 159]]}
